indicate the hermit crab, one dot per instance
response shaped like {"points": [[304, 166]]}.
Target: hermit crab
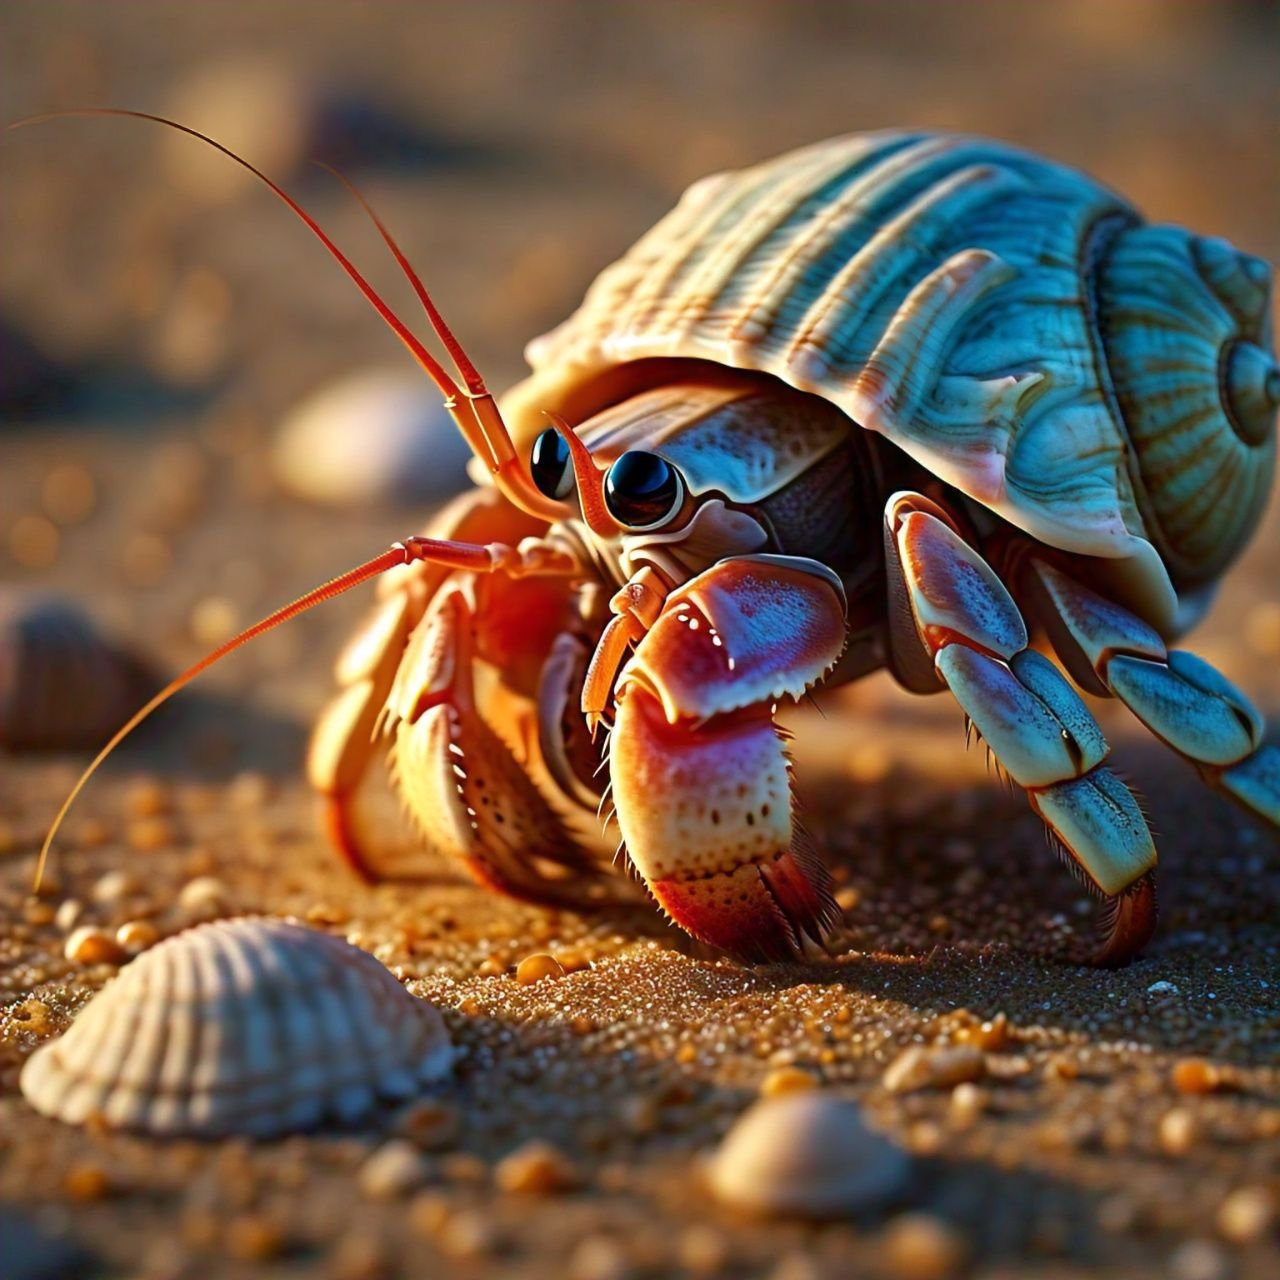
{"points": [[901, 400]]}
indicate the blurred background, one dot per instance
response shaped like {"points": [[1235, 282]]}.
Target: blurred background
{"points": [[164, 322]]}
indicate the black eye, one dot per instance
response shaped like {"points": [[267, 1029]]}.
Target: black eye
{"points": [[642, 489], [550, 465]]}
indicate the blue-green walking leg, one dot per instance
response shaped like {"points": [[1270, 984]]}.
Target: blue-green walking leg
{"points": [[1182, 699], [953, 624]]}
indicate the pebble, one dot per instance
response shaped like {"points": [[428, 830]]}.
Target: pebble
{"points": [[34, 1016], [1178, 1131], [148, 835], [85, 1181], [1262, 629], [361, 1257], [113, 886], [69, 493], [429, 1125], [536, 967], [797, 1266], [395, 1169], [137, 935], [536, 1168], [641, 1113], [178, 476], [253, 1238], [377, 436], [34, 542], [145, 559], [918, 1246], [1197, 1075], [991, 1036], [468, 1233], [1246, 1215], [68, 913], [214, 620], [146, 798], [920, 1067], [427, 1213], [599, 1257], [464, 1168], [1199, 1260], [787, 1080], [967, 1103], [92, 833], [204, 898], [254, 105], [1060, 1067], [848, 898], [192, 343], [38, 913], [703, 1250], [869, 763], [89, 945], [806, 1154], [249, 791]]}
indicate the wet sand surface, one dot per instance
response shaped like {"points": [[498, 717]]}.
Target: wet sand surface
{"points": [[190, 325]]}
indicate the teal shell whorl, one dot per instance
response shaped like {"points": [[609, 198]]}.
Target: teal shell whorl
{"points": [[1185, 329], [1011, 325]]}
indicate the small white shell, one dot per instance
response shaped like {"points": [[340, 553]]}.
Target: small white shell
{"points": [[806, 1154], [254, 1026], [257, 106], [371, 437]]}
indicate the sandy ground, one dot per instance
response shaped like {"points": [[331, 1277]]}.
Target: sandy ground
{"points": [[533, 143]]}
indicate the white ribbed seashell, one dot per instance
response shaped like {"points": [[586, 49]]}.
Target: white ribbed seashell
{"points": [[807, 1155], [253, 1026]]}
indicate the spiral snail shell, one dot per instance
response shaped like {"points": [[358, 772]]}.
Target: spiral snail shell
{"points": [[1104, 384]]}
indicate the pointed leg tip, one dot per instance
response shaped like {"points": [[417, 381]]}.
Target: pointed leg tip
{"points": [[337, 819], [1128, 922], [1255, 783]]}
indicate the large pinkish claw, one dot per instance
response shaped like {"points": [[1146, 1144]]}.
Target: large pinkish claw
{"points": [[705, 813]]}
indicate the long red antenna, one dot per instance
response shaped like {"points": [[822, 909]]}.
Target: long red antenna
{"points": [[462, 362], [397, 555], [474, 410], [494, 439], [424, 357]]}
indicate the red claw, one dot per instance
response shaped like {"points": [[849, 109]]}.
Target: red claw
{"points": [[705, 812]]}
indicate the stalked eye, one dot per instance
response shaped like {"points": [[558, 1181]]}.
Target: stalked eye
{"points": [[642, 490], [549, 463]]}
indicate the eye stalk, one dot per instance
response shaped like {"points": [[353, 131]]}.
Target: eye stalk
{"points": [[643, 490], [551, 465]]}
